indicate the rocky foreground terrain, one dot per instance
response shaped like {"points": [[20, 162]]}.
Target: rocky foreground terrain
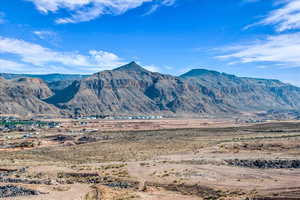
{"points": [[232, 162], [132, 89]]}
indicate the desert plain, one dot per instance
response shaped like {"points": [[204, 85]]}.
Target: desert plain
{"points": [[166, 159]]}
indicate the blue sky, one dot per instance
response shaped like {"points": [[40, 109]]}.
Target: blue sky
{"points": [[256, 38]]}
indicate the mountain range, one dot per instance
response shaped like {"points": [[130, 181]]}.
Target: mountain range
{"points": [[133, 90]]}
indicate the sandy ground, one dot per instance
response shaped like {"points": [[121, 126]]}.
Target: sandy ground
{"points": [[74, 192], [126, 125], [171, 164]]}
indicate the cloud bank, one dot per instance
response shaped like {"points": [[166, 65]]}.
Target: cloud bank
{"points": [[284, 18], [283, 47], [87, 10], [31, 54]]}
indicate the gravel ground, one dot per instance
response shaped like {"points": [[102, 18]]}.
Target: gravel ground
{"points": [[15, 191]]}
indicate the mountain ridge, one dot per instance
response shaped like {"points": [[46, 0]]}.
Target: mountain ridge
{"points": [[54, 77], [45, 77], [131, 89]]}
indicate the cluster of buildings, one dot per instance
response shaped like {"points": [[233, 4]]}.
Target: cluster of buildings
{"points": [[133, 117], [8, 124], [91, 117], [250, 121], [139, 117]]}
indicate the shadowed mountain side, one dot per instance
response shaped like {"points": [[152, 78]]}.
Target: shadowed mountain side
{"points": [[64, 95]]}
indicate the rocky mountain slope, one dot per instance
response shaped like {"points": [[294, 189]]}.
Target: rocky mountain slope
{"points": [[247, 94], [54, 81], [132, 90], [25, 96], [48, 78]]}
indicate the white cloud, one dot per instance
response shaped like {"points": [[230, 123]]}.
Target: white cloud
{"points": [[152, 10], [48, 36], [45, 34], [37, 55], [8, 66], [86, 10], [293, 82], [103, 58], [283, 49], [152, 68], [286, 17], [161, 69], [156, 6]]}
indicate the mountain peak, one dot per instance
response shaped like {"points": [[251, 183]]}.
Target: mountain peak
{"points": [[133, 66]]}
